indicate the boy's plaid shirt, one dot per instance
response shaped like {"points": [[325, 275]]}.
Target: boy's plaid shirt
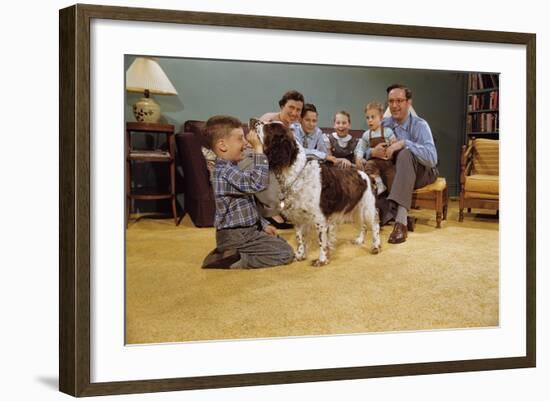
{"points": [[234, 191]]}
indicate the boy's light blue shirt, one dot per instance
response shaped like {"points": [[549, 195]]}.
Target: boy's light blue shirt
{"points": [[316, 145], [418, 138], [363, 148]]}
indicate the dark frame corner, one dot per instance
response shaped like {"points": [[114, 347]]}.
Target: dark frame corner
{"points": [[74, 199]]}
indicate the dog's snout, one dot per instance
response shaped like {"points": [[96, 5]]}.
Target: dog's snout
{"points": [[253, 123], [257, 125]]}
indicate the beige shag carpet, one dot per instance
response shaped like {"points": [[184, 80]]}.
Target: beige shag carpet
{"points": [[439, 278]]}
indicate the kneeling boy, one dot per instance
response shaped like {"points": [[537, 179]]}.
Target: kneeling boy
{"points": [[243, 238]]}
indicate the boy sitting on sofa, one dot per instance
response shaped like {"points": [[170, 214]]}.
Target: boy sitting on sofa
{"points": [[310, 136], [243, 238]]}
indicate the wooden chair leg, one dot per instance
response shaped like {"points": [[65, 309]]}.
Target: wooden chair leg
{"points": [[127, 211], [461, 206], [174, 211], [438, 208], [440, 204], [445, 203], [128, 201]]}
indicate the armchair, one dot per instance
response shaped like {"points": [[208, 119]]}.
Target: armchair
{"points": [[479, 176]]}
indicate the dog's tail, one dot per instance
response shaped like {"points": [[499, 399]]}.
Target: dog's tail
{"points": [[368, 214], [371, 185]]}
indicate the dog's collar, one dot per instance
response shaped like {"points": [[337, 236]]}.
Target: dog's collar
{"points": [[285, 189]]}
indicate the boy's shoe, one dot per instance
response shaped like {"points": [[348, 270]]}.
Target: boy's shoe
{"points": [[279, 226], [380, 187], [221, 260]]}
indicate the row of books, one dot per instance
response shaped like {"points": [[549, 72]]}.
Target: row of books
{"points": [[482, 122], [483, 101], [479, 81]]}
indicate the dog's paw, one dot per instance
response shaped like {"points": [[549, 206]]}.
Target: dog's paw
{"points": [[299, 257], [375, 250], [358, 241], [319, 263]]}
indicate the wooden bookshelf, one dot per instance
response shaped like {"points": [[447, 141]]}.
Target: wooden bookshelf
{"points": [[482, 106]]}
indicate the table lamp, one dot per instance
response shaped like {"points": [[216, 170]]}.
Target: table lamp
{"points": [[146, 76]]}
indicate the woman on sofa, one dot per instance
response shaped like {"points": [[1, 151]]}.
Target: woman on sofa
{"points": [[291, 105]]}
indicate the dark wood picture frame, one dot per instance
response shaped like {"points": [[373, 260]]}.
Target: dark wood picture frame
{"points": [[74, 204]]}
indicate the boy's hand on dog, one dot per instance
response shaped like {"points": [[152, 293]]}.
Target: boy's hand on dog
{"points": [[254, 141], [360, 163], [270, 230], [343, 163], [379, 151]]}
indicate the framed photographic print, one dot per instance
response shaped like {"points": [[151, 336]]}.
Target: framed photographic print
{"points": [[137, 312]]}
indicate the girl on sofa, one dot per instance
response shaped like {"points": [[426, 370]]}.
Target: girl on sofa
{"points": [[340, 143]]}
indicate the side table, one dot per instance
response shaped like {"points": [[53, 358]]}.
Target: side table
{"points": [[150, 156]]}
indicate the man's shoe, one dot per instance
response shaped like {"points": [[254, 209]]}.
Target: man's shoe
{"points": [[399, 234], [221, 260], [279, 226], [411, 223]]}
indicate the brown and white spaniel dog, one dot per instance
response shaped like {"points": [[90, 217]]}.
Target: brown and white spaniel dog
{"points": [[317, 194]]}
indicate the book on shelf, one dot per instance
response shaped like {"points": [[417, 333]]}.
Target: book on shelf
{"points": [[478, 81], [482, 122], [482, 116], [483, 101], [493, 101]]}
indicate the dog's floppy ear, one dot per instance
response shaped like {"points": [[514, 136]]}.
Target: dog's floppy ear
{"points": [[280, 146]]}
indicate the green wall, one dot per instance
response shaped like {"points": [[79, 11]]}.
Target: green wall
{"points": [[247, 89]]}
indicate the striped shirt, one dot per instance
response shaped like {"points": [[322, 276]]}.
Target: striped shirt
{"points": [[234, 191]]}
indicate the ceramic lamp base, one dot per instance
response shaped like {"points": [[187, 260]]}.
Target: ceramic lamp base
{"points": [[146, 110]]}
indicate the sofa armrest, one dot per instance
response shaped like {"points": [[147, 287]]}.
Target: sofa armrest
{"points": [[199, 198]]}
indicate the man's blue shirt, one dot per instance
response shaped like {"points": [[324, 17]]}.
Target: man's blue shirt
{"points": [[418, 138]]}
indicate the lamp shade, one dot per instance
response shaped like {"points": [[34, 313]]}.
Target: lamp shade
{"points": [[144, 74]]}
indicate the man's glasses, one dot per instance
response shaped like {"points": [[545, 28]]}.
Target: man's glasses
{"points": [[396, 101]]}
